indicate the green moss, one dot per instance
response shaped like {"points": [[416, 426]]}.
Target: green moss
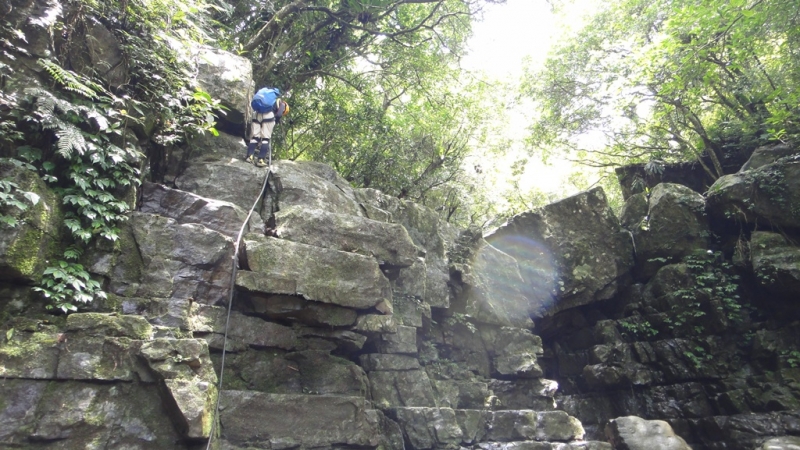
{"points": [[23, 254], [24, 344]]}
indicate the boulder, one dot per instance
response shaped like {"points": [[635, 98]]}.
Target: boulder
{"points": [[27, 246], [311, 185], [99, 55], [514, 352], [635, 433], [428, 428], [492, 290], [181, 261], [776, 263], [72, 414], [766, 195], [242, 330], [398, 388], [32, 355], [781, 443], [228, 179], [537, 393], [388, 243], [307, 421], [521, 425], [185, 207], [279, 266], [404, 340], [228, 78], [768, 154], [462, 394], [675, 226], [571, 253], [296, 308]]}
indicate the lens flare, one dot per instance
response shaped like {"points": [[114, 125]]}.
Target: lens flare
{"points": [[537, 267]]}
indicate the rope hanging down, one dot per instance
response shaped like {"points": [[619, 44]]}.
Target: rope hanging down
{"points": [[234, 270]]}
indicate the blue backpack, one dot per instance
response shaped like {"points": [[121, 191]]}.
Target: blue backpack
{"points": [[264, 100]]}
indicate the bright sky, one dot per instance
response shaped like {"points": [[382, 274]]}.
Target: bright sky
{"points": [[509, 33]]}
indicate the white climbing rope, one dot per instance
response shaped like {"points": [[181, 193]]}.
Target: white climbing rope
{"points": [[234, 270]]}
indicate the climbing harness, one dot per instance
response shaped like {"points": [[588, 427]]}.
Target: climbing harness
{"points": [[235, 269]]}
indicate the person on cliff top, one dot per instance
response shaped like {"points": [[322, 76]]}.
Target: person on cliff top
{"points": [[267, 111]]}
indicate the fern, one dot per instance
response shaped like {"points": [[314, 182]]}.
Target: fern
{"points": [[72, 81]]}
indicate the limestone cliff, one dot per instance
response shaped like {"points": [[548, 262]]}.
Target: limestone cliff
{"points": [[363, 321]]}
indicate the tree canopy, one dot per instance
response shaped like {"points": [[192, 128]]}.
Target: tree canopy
{"points": [[670, 80]]}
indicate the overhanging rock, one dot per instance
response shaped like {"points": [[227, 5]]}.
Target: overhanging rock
{"points": [[570, 253]]}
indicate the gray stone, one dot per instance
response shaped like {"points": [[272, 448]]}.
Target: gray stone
{"points": [[98, 324], [344, 340], [186, 207], [319, 274], [181, 261], [571, 253], [194, 401], [781, 443], [387, 243], [636, 433], [402, 341], [251, 331], [91, 415], [518, 425], [101, 55], [29, 355], [186, 359], [376, 361], [634, 212], [521, 425], [514, 351], [766, 195], [228, 180], [411, 283], [228, 78], [26, 248], [308, 421], [324, 374], [776, 262], [461, 394], [426, 428], [493, 289], [768, 154], [312, 185], [537, 394], [391, 389], [372, 324], [427, 231], [301, 310], [474, 423], [97, 358], [676, 227]]}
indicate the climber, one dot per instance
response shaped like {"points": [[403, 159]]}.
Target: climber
{"points": [[266, 112]]}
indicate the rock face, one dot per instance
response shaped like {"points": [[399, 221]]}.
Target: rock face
{"points": [[34, 238], [764, 195], [570, 253], [705, 338], [635, 433], [671, 227], [358, 320]]}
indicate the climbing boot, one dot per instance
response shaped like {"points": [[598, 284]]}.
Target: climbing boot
{"points": [[250, 159], [261, 162]]}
